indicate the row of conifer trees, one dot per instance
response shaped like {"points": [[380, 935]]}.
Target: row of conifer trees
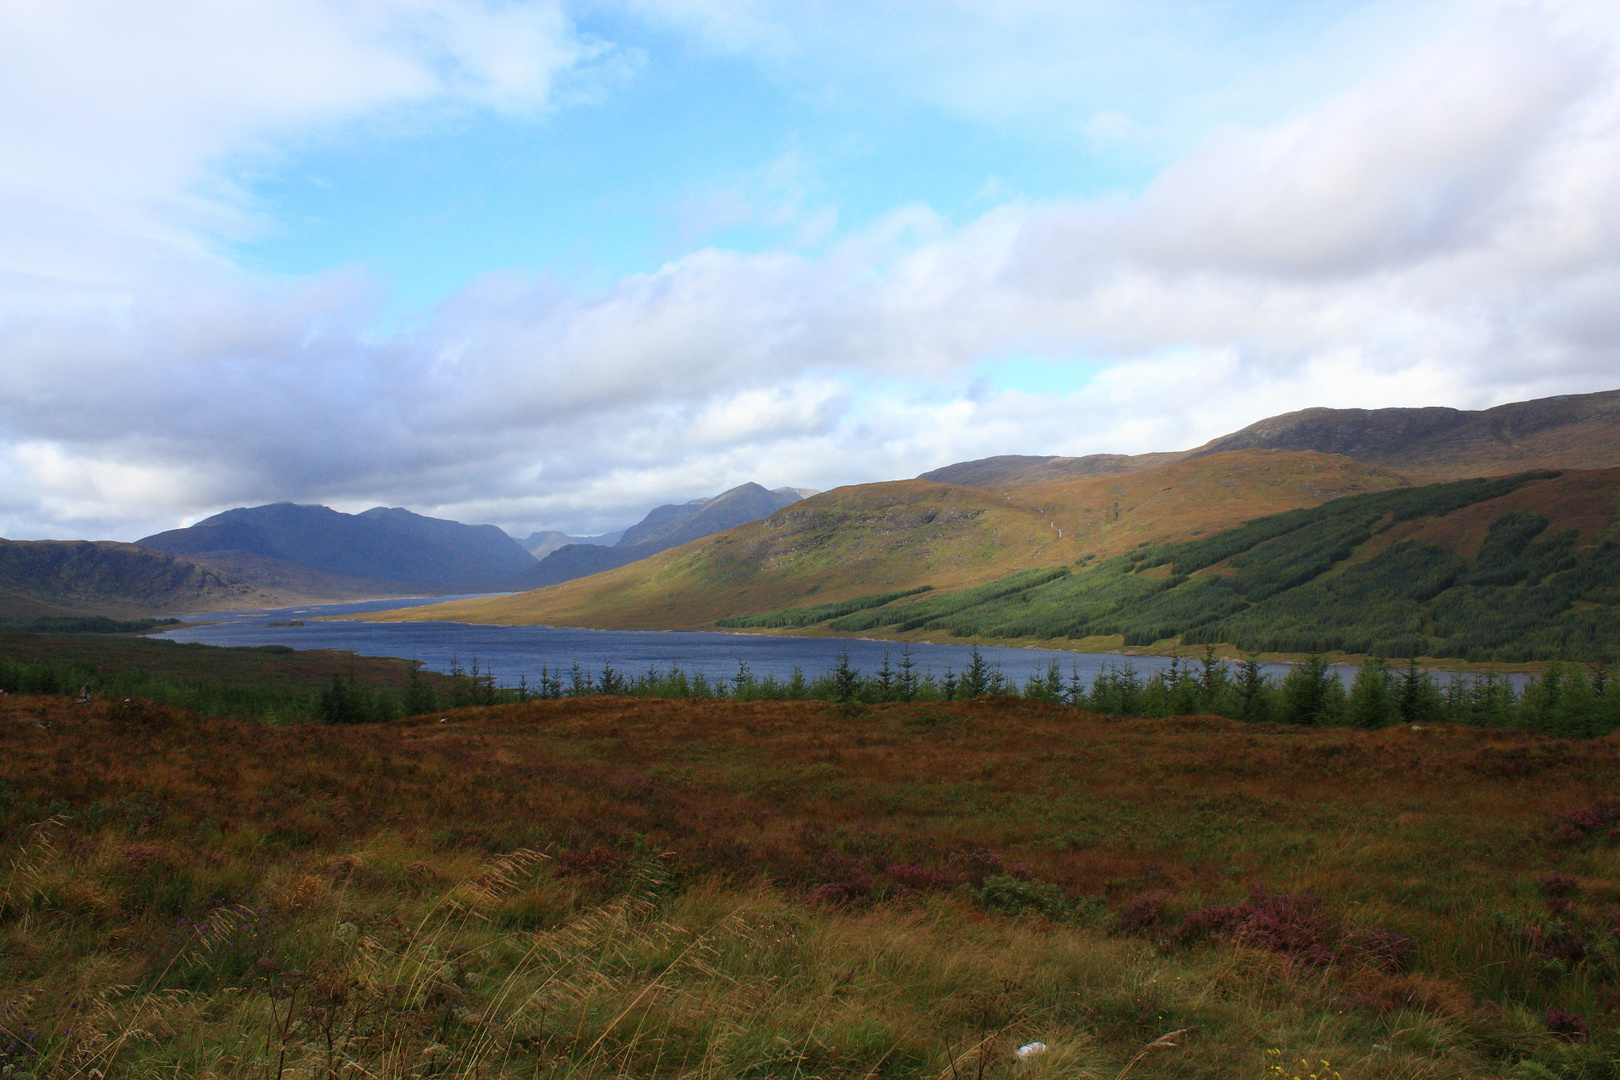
{"points": [[1565, 700]]}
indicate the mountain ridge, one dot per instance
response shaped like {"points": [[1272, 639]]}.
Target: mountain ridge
{"points": [[1579, 431]]}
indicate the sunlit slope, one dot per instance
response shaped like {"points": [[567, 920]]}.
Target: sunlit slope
{"points": [[1504, 569], [879, 538]]}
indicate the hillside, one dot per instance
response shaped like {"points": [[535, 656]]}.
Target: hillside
{"points": [[663, 528], [55, 578], [67, 578], [882, 537], [1507, 569], [1574, 431], [382, 544]]}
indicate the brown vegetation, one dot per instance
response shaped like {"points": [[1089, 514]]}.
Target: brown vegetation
{"points": [[612, 886]]}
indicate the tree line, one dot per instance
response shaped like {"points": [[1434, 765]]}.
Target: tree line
{"points": [[1568, 700]]}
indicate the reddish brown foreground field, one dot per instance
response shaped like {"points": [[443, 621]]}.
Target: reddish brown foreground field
{"points": [[1117, 879]]}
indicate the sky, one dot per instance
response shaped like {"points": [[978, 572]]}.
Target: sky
{"points": [[548, 264]]}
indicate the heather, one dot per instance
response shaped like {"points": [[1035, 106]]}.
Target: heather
{"points": [[608, 885]]}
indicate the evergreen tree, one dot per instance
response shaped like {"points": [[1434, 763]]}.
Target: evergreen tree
{"points": [[1047, 686], [340, 703], [906, 684], [1312, 694], [1372, 698], [976, 679], [1418, 701], [1252, 687], [743, 685], [419, 696], [1212, 680], [885, 680], [846, 679]]}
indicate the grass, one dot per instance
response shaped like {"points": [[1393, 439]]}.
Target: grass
{"points": [[629, 887]]}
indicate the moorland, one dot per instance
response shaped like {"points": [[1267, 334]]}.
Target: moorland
{"points": [[632, 886]]}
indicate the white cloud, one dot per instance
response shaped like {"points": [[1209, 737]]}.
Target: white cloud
{"points": [[1447, 231], [121, 119]]}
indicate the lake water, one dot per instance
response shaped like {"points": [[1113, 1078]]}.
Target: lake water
{"points": [[515, 651]]}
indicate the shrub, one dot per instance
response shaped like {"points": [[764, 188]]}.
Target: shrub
{"points": [[1015, 896], [1271, 921], [845, 880], [1576, 825], [917, 879], [980, 865], [1144, 914]]}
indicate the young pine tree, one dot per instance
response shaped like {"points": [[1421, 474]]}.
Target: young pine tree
{"points": [[1312, 694], [1418, 699], [419, 696], [1372, 696], [907, 682], [846, 679]]}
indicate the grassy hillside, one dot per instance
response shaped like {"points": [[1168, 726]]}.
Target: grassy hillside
{"points": [[1511, 569], [727, 890], [880, 538]]}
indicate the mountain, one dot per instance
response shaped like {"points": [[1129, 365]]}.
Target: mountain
{"points": [[878, 538], [1574, 431], [663, 528], [541, 544], [382, 544]]}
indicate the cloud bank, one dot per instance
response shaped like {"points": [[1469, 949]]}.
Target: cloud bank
{"points": [[1446, 230]]}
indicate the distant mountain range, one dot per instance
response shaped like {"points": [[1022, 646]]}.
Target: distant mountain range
{"points": [[285, 553], [541, 544], [665, 527]]}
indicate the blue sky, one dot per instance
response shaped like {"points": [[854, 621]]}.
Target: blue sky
{"points": [[547, 264], [676, 144]]}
